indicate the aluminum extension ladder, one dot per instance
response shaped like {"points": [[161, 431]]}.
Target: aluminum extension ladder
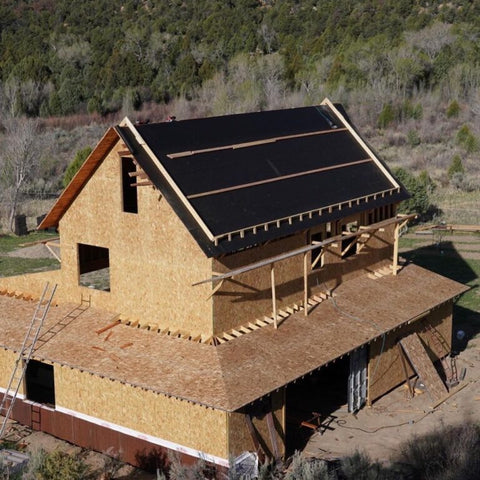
{"points": [[25, 354]]}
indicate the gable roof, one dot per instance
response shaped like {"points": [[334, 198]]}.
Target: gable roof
{"points": [[240, 180]]}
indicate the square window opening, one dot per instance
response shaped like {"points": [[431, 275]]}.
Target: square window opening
{"points": [[94, 267]]}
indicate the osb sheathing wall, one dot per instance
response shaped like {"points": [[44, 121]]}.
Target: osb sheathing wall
{"points": [[32, 283], [153, 258], [181, 422], [249, 295], [385, 370], [240, 439], [7, 364]]}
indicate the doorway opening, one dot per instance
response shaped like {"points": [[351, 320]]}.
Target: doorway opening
{"points": [[311, 403], [39, 382]]}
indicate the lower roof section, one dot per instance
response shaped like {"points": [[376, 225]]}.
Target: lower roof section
{"points": [[236, 373]]}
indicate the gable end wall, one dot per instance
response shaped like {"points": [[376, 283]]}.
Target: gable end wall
{"points": [[153, 258]]}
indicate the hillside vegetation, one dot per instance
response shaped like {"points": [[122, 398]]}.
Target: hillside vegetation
{"points": [[408, 72]]}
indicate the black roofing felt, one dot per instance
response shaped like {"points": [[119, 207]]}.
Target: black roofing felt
{"points": [[225, 168], [196, 134], [234, 210], [320, 170]]}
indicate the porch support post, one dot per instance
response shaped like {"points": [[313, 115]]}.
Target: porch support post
{"points": [[305, 283], [395, 248], [274, 298]]}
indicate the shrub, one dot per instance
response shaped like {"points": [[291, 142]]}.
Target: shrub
{"points": [[359, 466], [451, 453], [386, 117], [453, 109], [56, 465], [419, 189], [308, 469], [77, 162], [413, 138], [467, 139], [455, 167]]}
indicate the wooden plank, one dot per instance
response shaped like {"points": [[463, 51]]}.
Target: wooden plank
{"points": [[273, 435], [405, 371], [423, 366], [253, 434], [305, 282], [108, 327], [255, 143], [145, 183]]}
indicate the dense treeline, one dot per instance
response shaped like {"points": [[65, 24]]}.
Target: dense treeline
{"points": [[407, 71], [59, 57]]}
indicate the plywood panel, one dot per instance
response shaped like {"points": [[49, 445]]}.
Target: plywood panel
{"points": [[7, 364], [178, 421], [249, 295]]}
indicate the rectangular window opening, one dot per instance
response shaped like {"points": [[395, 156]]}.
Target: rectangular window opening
{"points": [[94, 267], [349, 246], [129, 191], [39, 382]]}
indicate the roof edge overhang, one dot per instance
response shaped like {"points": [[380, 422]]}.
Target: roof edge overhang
{"points": [[80, 179]]}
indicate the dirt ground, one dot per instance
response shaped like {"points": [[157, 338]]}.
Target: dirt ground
{"points": [[380, 430]]}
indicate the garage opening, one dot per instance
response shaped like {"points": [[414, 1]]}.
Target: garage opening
{"points": [[40, 383]]}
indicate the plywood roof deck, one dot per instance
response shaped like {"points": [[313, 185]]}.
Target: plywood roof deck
{"points": [[235, 373]]}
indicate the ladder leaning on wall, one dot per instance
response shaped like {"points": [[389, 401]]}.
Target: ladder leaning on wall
{"points": [[24, 355]]}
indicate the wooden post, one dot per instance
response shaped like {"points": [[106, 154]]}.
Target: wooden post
{"points": [[395, 248], [305, 283], [405, 371], [274, 299]]}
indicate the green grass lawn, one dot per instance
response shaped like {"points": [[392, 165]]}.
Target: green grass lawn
{"points": [[9, 243], [445, 260], [15, 265]]}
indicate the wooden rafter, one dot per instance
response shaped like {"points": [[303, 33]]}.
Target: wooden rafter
{"points": [[274, 297], [349, 246], [318, 258]]}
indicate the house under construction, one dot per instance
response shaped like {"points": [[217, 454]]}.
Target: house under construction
{"points": [[212, 271]]}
